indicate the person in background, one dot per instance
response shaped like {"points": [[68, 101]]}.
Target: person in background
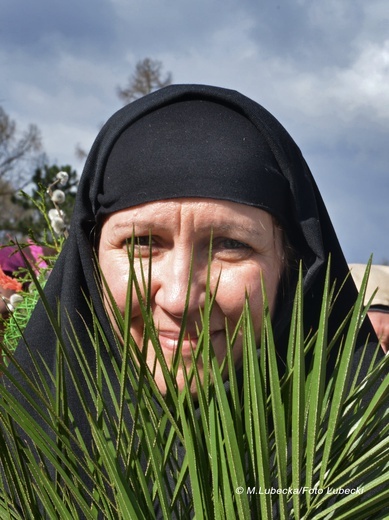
{"points": [[379, 308]]}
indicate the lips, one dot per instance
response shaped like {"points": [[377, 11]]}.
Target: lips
{"points": [[169, 340]]}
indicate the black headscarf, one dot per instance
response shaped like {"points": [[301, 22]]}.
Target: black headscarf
{"points": [[194, 148], [198, 141], [194, 141]]}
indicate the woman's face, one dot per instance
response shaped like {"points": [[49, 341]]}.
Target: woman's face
{"points": [[245, 245]]}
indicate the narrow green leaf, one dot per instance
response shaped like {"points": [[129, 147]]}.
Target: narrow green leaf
{"points": [[342, 378], [317, 388], [298, 399]]}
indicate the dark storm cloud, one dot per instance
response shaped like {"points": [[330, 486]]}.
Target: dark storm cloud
{"points": [[156, 26], [309, 33], [352, 174], [322, 68], [41, 25]]}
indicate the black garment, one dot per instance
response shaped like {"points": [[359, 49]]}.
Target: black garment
{"points": [[192, 141], [124, 169]]}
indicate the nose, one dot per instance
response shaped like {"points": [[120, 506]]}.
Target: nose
{"points": [[181, 281]]}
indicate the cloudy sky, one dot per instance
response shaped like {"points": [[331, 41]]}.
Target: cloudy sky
{"points": [[320, 66]]}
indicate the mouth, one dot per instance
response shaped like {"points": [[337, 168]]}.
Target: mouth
{"points": [[169, 341]]}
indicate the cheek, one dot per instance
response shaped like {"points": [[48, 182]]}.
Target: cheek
{"points": [[115, 270], [234, 286], [231, 293]]}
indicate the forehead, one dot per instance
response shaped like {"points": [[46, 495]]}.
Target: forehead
{"points": [[200, 212]]}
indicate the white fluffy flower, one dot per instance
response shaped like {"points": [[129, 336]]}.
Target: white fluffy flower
{"points": [[62, 177], [15, 299], [58, 225], [55, 213], [58, 197]]}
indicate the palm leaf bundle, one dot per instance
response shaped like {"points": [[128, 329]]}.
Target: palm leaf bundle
{"points": [[294, 443]]}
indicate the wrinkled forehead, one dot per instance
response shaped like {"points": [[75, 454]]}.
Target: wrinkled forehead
{"points": [[202, 214], [192, 149]]}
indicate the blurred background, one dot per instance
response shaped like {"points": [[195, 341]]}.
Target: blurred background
{"points": [[322, 68]]}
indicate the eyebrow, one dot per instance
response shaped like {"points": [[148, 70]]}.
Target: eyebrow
{"points": [[218, 228], [231, 228]]}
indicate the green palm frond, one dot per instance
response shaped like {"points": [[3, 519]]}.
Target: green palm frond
{"points": [[267, 445]]}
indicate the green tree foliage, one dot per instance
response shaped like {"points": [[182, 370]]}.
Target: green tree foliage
{"points": [[33, 222], [10, 212]]}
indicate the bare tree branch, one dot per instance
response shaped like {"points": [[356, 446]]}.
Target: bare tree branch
{"points": [[15, 148], [146, 78]]}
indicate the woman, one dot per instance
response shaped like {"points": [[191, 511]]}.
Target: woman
{"points": [[207, 148], [177, 170]]}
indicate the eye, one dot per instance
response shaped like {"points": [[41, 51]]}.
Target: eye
{"points": [[230, 243], [230, 249], [144, 241], [141, 243]]}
